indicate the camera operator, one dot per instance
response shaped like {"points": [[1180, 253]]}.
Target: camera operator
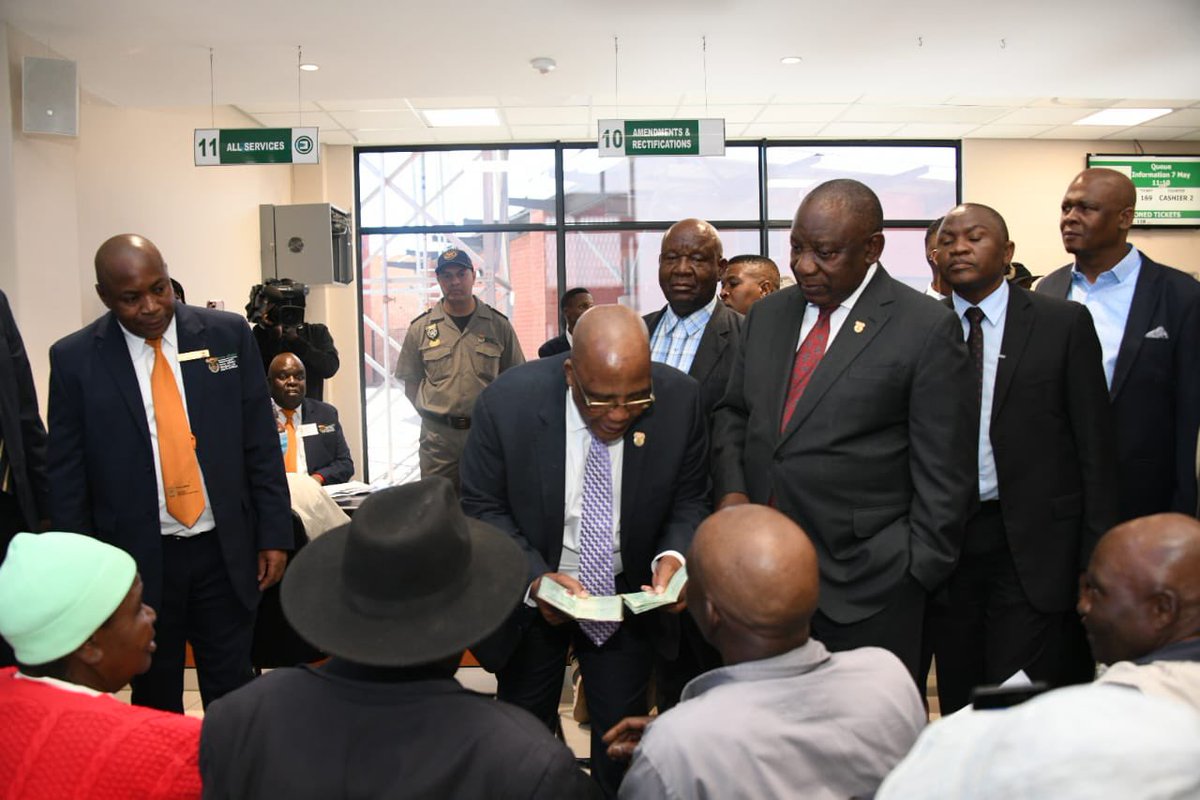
{"points": [[276, 310]]}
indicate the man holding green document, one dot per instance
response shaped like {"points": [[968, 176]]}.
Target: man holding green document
{"points": [[596, 463]]}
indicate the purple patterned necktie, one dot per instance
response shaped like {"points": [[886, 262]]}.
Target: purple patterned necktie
{"points": [[595, 536]]}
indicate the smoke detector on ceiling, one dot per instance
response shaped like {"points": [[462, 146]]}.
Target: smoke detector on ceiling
{"points": [[543, 64]]}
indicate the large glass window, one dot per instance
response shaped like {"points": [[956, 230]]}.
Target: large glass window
{"points": [[502, 205]]}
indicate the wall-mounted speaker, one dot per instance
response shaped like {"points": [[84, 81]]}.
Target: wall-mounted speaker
{"points": [[49, 96]]}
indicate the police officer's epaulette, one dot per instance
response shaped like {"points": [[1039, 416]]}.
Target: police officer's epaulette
{"points": [[418, 316], [498, 312]]}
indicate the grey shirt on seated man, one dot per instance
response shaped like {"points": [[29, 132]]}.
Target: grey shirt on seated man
{"points": [[785, 717]]}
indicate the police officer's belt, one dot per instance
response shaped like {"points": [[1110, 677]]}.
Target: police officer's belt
{"points": [[458, 423]]}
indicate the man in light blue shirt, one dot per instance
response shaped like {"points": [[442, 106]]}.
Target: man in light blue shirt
{"points": [[695, 333], [1046, 472], [1148, 318]]}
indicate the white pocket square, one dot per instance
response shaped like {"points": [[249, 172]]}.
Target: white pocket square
{"points": [[1158, 333]]}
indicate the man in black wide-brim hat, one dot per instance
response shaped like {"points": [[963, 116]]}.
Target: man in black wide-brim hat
{"points": [[394, 597]]}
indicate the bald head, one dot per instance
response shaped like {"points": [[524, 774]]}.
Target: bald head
{"points": [[1142, 589], [132, 281], [609, 369], [1097, 212], [752, 582], [853, 198], [287, 380]]}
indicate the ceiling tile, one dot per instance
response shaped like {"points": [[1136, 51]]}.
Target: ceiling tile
{"points": [[572, 133], [1006, 131], [1136, 103], [826, 112], [976, 100], [631, 99], [404, 136], [1149, 134], [733, 115], [380, 120], [859, 130], [749, 98], [782, 130], [1190, 137], [901, 100], [471, 134], [332, 136], [1045, 116], [454, 102], [276, 108], [927, 114], [292, 120], [1184, 118], [370, 104], [570, 115], [1084, 132], [1072, 102], [935, 130], [815, 98], [632, 112], [525, 101]]}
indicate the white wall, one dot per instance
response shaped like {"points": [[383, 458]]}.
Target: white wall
{"points": [[1025, 182]]}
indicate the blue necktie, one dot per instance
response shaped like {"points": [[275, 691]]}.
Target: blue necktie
{"points": [[595, 536]]}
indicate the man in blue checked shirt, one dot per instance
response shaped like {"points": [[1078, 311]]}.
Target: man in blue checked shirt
{"points": [[695, 332]]}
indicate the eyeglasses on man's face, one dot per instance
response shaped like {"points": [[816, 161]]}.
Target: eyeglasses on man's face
{"points": [[604, 406]]}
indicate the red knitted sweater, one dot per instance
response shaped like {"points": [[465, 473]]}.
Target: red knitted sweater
{"points": [[61, 745]]}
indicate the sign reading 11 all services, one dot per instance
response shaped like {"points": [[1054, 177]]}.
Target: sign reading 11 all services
{"points": [[661, 137], [216, 147], [1168, 187]]}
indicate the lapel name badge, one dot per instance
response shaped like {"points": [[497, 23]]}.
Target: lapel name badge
{"points": [[221, 363], [859, 326], [639, 439], [193, 355]]}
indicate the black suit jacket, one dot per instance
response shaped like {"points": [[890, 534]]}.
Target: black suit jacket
{"points": [[1051, 435], [21, 424], [877, 463], [101, 465], [553, 347], [314, 348], [714, 354], [326, 451], [513, 473], [1155, 390]]}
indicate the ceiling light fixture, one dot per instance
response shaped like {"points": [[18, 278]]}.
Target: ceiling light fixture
{"points": [[309, 67], [789, 60], [543, 64], [461, 117], [1123, 116]]}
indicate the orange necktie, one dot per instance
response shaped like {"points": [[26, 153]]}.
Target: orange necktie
{"points": [[176, 444], [289, 458]]}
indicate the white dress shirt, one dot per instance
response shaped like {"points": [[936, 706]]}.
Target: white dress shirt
{"points": [[838, 316], [1108, 300], [995, 310], [142, 356]]}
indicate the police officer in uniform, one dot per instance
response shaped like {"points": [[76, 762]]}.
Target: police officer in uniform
{"points": [[450, 353]]}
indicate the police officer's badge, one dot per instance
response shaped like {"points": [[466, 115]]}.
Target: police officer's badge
{"points": [[431, 332]]}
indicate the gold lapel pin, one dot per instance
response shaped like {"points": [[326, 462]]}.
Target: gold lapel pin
{"points": [[859, 326], [639, 439]]}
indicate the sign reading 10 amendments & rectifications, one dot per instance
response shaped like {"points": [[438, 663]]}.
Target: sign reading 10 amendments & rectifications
{"points": [[215, 147], [660, 137]]}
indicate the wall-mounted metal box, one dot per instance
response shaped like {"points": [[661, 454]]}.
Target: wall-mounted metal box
{"points": [[310, 242]]}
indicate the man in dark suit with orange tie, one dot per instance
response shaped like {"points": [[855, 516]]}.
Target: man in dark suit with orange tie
{"points": [[163, 444], [850, 409]]}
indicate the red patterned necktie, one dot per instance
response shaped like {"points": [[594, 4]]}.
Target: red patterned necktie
{"points": [[807, 358]]}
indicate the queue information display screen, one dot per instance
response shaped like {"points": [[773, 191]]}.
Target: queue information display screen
{"points": [[1168, 187]]}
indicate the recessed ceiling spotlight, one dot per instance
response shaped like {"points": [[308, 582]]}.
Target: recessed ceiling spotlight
{"points": [[543, 64], [309, 67], [1123, 116], [789, 60]]}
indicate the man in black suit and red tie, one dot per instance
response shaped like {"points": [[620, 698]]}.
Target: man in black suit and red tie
{"points": [[597, 466], [1047, 472], [1147, 316], [850, 409]]}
